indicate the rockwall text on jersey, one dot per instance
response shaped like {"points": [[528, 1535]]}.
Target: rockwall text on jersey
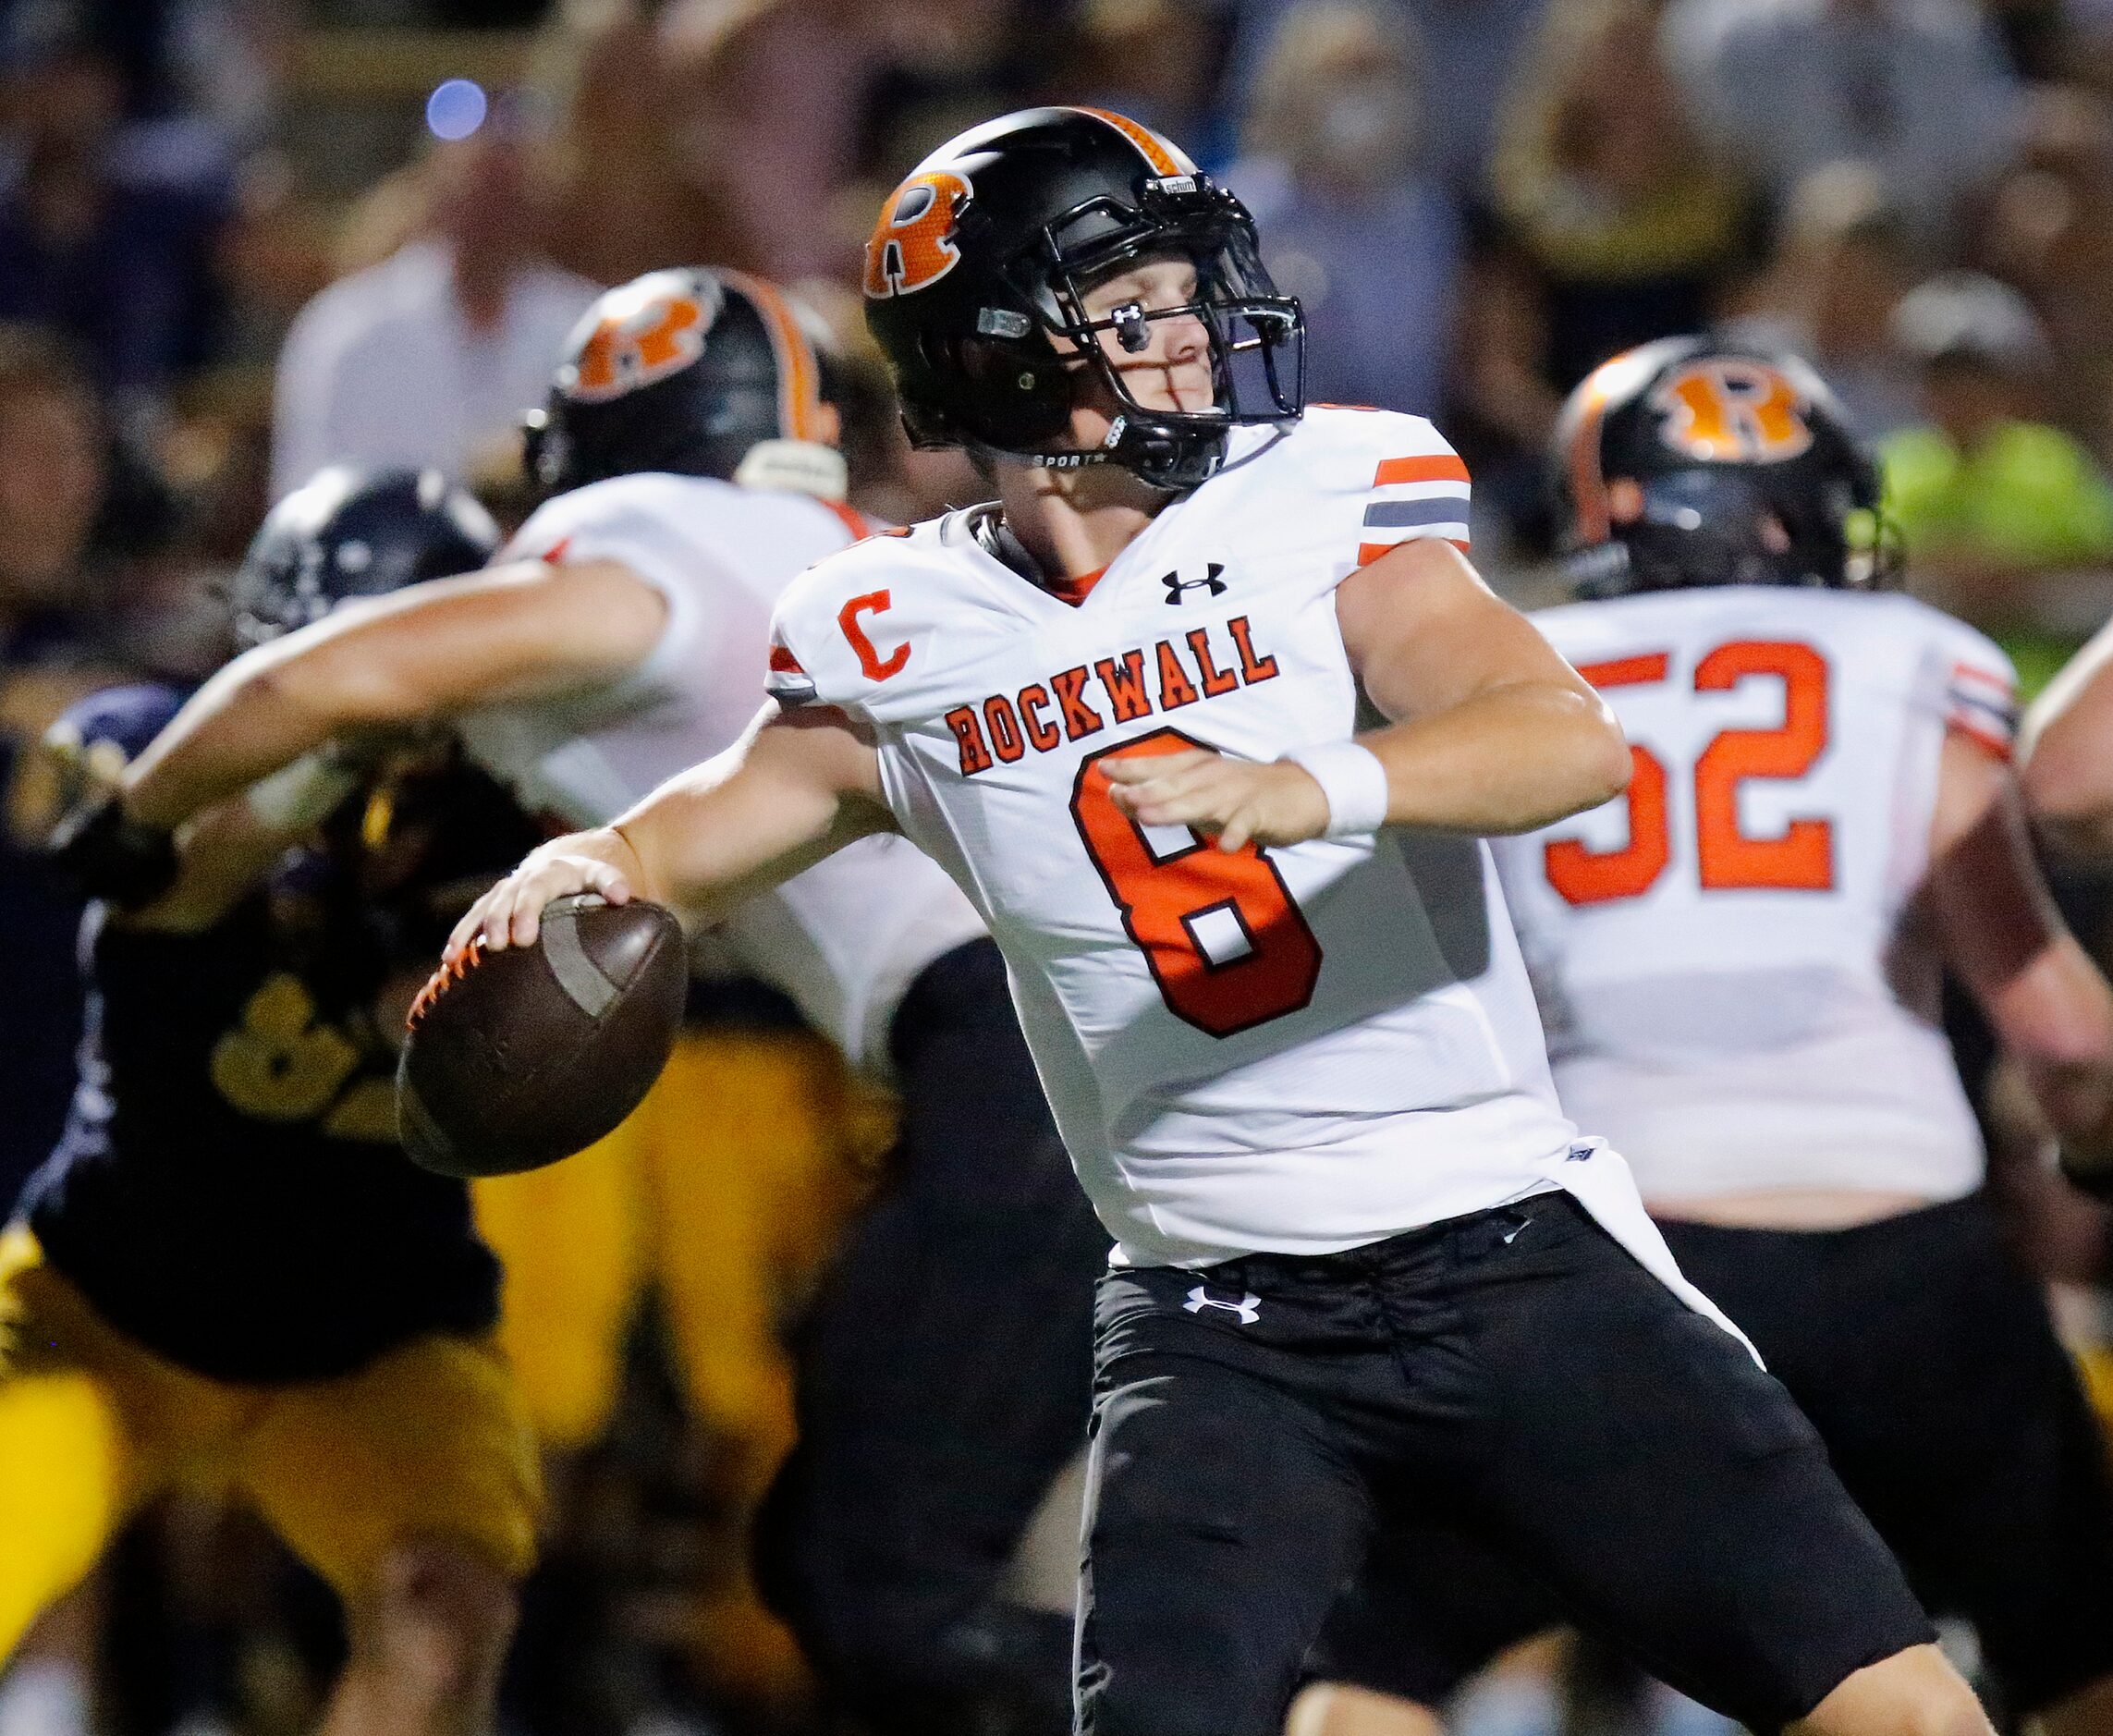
{"points": [[1298, 1049]]}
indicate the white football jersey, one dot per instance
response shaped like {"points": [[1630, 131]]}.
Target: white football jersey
{"points": [[845, 938], [1298, 1049], [1735, 988]]}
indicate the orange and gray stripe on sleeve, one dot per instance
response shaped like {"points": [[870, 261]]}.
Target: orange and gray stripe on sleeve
{"points": [[1981, 705], [789, 683], [1416, 497]]}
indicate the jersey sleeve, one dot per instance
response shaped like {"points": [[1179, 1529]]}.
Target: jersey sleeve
{"points": [[1392, 479], [1980, 694], [810, 660], [858, 629], [786, 679], [616, 520], [602, 521]]}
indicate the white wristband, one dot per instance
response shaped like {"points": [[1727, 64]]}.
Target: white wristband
{"points": [[1354, 782]]}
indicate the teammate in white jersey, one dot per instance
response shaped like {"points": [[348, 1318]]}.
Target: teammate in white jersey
{"points": [[619, 638], [1739, 967], [1268, 974]]}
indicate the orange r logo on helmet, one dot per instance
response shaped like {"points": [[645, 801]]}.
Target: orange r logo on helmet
{"points": [[628, 350], [1729, 410], [909, 249]]}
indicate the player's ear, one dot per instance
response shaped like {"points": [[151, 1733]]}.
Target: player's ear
{"points": [[828, 423]]}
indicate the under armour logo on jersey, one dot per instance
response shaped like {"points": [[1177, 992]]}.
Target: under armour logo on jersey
{"points": [[1176, 585], [1249, 1307]]}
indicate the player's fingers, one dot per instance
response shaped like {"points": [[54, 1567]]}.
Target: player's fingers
{"points": [[1204, 781], [486, 922], [495, 927], [606, 883], [553, 881], [1160, 803], [1238, 828], [1155, 803], [1138, 768], [488, 918], [466, 931]]}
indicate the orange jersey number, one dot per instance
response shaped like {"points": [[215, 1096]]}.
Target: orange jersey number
{"points": [[1586, 875], [1801, 860], [1227, 946]]}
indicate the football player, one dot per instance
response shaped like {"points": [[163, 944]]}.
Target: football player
{"points": [[226, 1279], [1739, 970], [1362, 1259], [2066, 772], [621, 637]]}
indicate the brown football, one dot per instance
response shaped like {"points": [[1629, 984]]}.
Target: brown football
{"points": [[517, 1058]]}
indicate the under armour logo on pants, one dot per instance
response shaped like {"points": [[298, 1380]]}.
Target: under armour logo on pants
{"points": [[1249, 1307]]}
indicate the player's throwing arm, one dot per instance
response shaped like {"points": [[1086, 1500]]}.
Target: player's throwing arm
{"points": [[794, 789], [1495, 734]]}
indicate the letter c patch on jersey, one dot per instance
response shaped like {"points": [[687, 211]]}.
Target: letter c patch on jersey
{"points": [[874, 667], [908, 250], [1728, 409]]}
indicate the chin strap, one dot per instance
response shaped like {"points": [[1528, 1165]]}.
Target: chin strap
{"points": [[793, 467], [1156, 459]]}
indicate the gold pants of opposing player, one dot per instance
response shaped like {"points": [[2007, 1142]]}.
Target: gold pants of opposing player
{"points": [[726, 1191], [428, 1441]]}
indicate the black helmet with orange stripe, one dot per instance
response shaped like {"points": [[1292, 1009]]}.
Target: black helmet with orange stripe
{"points": [[974, 283], [694, 372], [1688, 462]]}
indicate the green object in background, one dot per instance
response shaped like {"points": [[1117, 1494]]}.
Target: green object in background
{"points": [[2027, 497], [2038, 657]]}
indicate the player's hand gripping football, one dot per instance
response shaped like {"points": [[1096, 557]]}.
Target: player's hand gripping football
{"points": [[510, 914], [1242, 801]]}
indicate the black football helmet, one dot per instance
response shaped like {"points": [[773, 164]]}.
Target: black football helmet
{"points": [[352, 533], [693, 372], [975, 278], [1694, 462]]}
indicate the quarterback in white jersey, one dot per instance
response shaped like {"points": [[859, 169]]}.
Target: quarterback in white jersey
{"points": [[1302, 1049], [1265, 966], [618, 639], [1740, 968]]}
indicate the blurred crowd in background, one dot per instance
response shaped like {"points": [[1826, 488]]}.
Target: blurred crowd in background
{"points": [[241, 239]]}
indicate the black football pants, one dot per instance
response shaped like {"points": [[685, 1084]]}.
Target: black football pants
{"points": [[1515, 1376], [944, 1382]]}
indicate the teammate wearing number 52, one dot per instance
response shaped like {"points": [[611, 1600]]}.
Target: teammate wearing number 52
{"points": [[1364, 1263], [1739, 970]]}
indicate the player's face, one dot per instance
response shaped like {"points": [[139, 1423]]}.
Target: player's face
{"points": [[1170, 367]]}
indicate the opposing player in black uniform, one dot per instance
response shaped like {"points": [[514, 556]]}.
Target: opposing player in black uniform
{"points": [[228, 1277]]}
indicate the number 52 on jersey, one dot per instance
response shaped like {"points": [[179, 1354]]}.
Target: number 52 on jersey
{"points": [[1798, 858]]}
